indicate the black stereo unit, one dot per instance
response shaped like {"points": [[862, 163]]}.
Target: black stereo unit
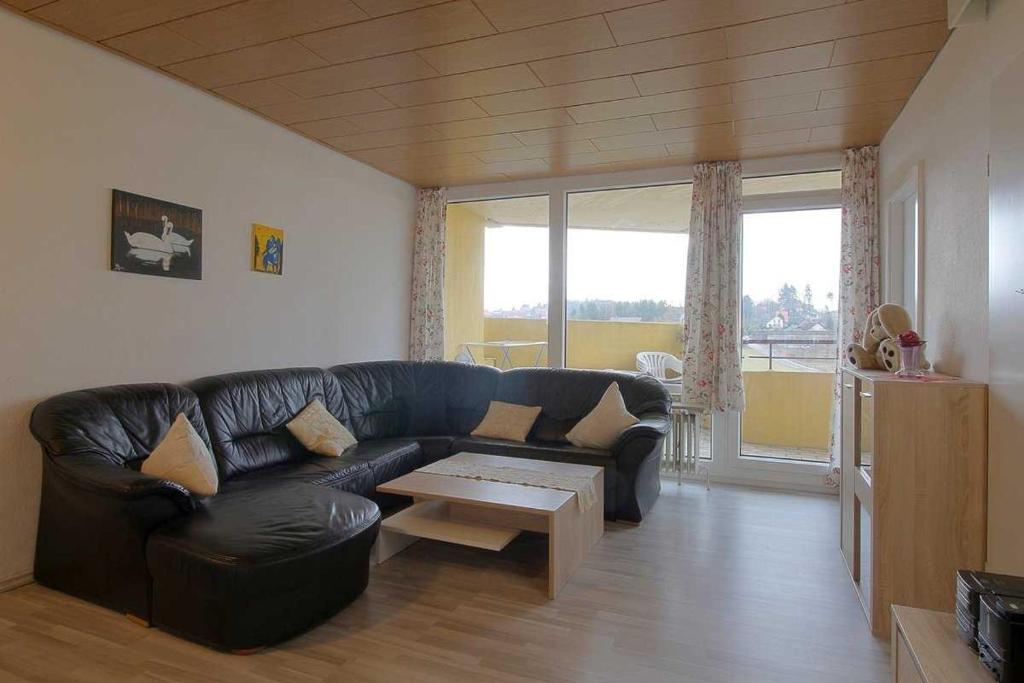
{"points": [[1001, 636], [970, 586]]}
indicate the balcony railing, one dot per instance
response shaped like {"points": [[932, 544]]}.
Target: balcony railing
{"points": [[794, 341]]}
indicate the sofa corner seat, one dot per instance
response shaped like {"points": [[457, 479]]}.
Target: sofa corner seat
{"points": [[286, 542]]}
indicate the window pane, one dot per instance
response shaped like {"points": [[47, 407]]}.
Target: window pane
{"points": [[626, 281], [625, 275], [790, 289], [496, 282]]}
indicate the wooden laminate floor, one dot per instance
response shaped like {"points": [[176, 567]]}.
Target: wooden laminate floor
{"points": [[731, 585]]}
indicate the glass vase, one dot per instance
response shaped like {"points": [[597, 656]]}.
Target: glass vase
{"points": [[910, 360]]}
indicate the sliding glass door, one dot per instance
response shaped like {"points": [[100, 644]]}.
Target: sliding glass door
{"points": [[626, 253], [625, 275], [789, 318]]}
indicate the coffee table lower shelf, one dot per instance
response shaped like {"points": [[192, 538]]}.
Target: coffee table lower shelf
{"points": [[432, 519]]}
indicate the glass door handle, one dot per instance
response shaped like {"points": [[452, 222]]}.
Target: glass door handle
{"points": [[866, 394]]}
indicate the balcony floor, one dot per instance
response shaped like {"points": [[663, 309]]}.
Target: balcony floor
{"points": [[761, 450]]}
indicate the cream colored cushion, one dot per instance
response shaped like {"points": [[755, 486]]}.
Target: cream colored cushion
{"points": [[182, 457], [507, 421], [319, 431], [602, 425]]}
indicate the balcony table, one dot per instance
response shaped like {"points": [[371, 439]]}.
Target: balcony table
{"points": [[506, 345]]}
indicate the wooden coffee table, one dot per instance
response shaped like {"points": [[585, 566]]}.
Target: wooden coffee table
{"points": [[489, 514]]}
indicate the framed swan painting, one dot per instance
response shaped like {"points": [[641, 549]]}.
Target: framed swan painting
{"points": [[154, 237]]}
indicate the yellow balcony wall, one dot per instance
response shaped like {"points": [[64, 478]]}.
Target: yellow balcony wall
{"points": [[592, 344], [788, 408], [463, 279], [609, 345]]}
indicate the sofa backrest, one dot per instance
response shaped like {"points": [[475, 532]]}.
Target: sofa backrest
{"points": [[566, 396], [246, 414], [122, 424], [388, 399], [242, 415]]}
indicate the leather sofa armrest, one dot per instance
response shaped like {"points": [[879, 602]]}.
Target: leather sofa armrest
{"points": [[93, 474], [637, 454], [95, 518], [651, 426]]}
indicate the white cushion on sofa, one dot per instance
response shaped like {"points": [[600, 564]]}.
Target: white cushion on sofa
{"points": [[182, 457], [319, 431], [603, 425], [509, 421]]}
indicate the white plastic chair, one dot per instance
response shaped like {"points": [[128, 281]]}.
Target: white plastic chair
{"points": [[465, 356], [658, 364]]}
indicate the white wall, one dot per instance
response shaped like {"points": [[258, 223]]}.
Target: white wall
{"points": [[945, 128], [76, 121], [1006, 322]]}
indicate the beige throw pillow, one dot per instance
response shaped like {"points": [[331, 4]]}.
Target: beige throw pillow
{"points": [[319, 431], [507, 421], [603, 425], [182, 457]]}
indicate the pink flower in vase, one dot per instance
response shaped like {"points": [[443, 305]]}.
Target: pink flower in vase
{"points": [[909, 338], [911, 346]]}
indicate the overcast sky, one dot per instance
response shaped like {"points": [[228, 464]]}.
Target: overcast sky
{"points": [[799, 247]]}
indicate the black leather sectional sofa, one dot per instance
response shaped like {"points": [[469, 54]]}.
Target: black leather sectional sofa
{"points": [[286, 542]]}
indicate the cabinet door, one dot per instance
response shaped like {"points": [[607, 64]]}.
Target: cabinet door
{"points": [[848, 520]]}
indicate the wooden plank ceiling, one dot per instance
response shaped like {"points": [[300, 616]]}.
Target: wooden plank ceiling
{"points": [[447, 92]]}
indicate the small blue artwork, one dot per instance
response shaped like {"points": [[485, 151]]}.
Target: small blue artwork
{"points": [[268, 249]]}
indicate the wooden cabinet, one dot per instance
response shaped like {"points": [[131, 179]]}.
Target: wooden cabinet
{"points": [[926, 649], [912, 488]]}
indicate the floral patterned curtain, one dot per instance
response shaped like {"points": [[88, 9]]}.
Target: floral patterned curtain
{"points": [[426, 334], [712, 377], [860, 267]]}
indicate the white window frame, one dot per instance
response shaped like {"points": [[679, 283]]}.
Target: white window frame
{"points": [[728, 463]]}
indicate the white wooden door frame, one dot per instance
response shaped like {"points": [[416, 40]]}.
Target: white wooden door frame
{"points": [[896, 255]]}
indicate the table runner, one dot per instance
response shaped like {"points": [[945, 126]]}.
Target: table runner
{"points": [[457, 466]]}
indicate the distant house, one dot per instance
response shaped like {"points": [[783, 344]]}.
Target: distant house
{"points": [[779, 322], [811, 326]]}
